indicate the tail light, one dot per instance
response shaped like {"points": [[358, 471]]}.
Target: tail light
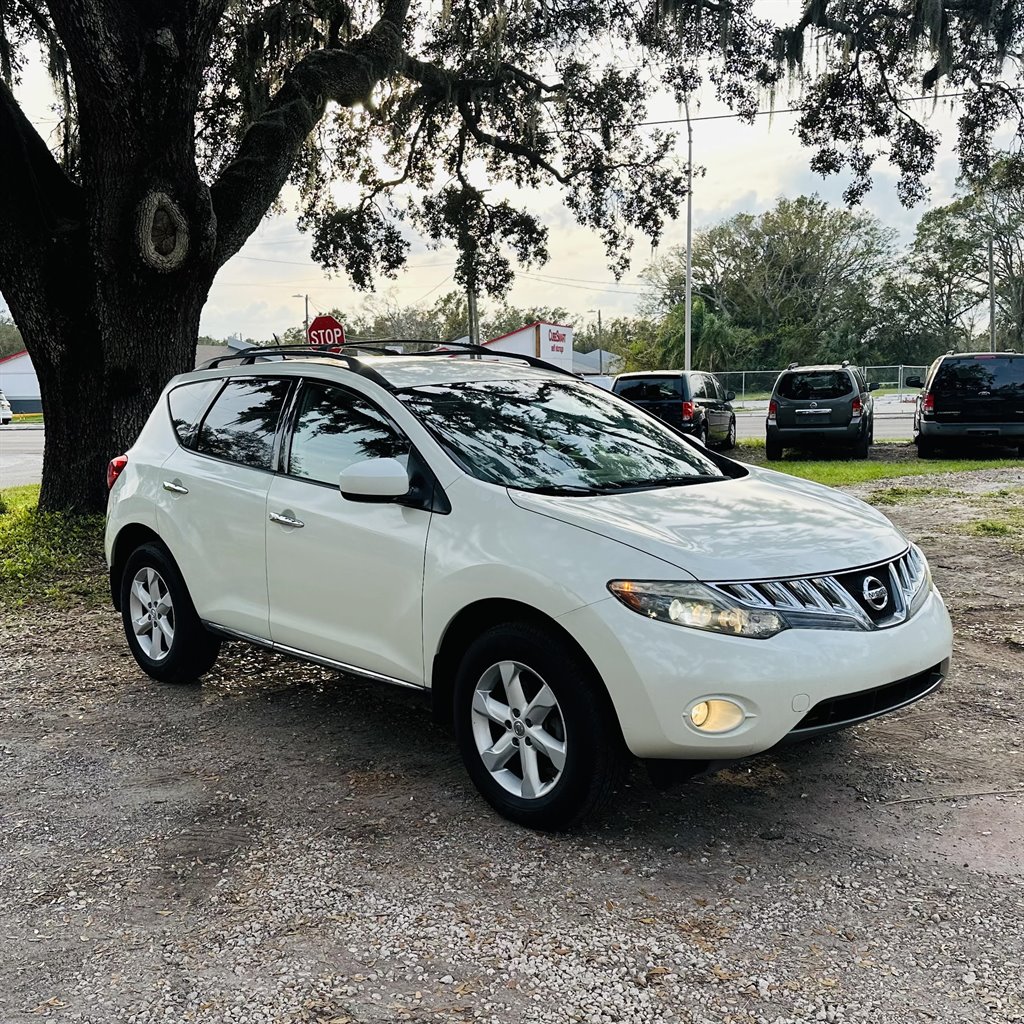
{"points": [[773, 408], [857, 407], [928, 404], [687, 410], [115, 468]]}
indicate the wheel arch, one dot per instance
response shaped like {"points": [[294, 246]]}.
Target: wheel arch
{"points": [[128, 538], [469, 623]]}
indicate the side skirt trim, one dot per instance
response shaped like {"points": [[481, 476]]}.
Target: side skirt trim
{"points": [[380, 677]]}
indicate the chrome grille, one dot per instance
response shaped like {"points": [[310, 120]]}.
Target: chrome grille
{"points": [[839, 594]]}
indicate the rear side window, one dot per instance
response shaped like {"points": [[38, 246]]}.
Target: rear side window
{"points": [[700, 386], [335, 429], [187, 405], [817, 384], [242, 422], [997, 375], [650, 389]]}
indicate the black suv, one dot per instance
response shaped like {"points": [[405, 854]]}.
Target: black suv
{"points": [[970, 396], [695, 403], [820, 405]]}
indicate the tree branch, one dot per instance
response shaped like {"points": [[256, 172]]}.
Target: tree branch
{"points": [[37, 199], [251, 182]]}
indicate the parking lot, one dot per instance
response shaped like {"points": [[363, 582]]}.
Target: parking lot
{"points": [[286, 844]]}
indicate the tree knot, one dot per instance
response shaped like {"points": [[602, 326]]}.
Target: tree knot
{"points": [[162, 232]]}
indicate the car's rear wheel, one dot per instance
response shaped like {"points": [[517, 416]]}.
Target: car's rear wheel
{"points": [[702, 434], [730, 438], [925, 447], [772, 450], [164, 632], [535, 729], [863, 445]]}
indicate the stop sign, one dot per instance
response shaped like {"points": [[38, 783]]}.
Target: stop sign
{"points": [[325, 330]]}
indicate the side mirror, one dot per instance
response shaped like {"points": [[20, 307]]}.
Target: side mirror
{"points": [[374, 480], [913, 382], [874, 386], [730, 395]]}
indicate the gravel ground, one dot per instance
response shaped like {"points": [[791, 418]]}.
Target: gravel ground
{"points": [[285, 844]]}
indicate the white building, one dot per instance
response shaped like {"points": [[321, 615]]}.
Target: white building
{"points": [[552, 342], [18, 381]]}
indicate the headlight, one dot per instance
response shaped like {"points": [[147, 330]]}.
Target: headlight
{"points": [[697, 606]]}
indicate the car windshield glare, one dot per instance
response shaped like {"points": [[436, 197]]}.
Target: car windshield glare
{"points": [[554, 435], [817, 384]]}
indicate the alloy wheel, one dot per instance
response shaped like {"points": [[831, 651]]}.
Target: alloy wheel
{"points": [[152, 613], [519, 729]]}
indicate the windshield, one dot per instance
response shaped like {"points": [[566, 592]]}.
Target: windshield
{"points": [[650, 389], [556, 436]]}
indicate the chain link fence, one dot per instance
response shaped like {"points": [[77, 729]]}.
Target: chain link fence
{"points": [[754, 387]]}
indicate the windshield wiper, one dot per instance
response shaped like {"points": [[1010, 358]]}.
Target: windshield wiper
{"points": [[563, 490], [661, 481]]}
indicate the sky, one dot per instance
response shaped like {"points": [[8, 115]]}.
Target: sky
{"points": [[262, 290]]}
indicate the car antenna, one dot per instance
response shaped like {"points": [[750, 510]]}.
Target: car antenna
{"points": [[845, 363], [792, 366]]}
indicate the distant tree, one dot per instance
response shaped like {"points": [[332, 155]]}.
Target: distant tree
{"points": [[797, 277], [10, 337]]}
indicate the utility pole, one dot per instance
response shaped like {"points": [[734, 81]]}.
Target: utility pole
{"points": [[305, 326], [689, 232], [991, 296], [600, 341], [474, 320]]}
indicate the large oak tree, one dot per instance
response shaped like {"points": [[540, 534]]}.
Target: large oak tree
{"points": [[182, 120]]}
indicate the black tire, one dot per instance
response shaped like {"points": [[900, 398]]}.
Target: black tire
{"points": [[925, 447], [702, 434], [772, 450], [192, 649], [594, 753], [863, 445], [730, 438]]}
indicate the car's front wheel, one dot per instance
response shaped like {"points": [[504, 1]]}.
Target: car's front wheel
{"points": [[163, 630], [534, 727]]}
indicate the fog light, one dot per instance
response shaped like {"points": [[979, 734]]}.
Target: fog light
{"points": [[716, 715]]}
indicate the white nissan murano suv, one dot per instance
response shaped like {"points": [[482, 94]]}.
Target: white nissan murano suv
{"points": [[569, 578]]}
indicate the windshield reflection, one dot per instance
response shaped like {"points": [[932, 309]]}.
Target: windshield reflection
{"points": [[555, 436]]}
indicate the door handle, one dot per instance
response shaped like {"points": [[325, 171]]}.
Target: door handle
{"points": [[276, 517], [174, 488]]}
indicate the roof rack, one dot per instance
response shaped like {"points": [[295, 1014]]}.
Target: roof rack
{"points": [[248, 356], [444, 348]]}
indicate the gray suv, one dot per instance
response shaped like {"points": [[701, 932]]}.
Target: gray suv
{"points": [[813, 406]]}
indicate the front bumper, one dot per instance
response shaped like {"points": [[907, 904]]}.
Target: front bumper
{"points": [[655, 672]]}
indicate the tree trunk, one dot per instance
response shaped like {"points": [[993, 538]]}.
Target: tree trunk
{"points": [[101, 388]]}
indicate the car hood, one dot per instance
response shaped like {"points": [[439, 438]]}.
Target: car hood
{"points": [[765, 525]]}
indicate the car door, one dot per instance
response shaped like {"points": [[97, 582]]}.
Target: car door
{"points": [[345, 577], [212, 505], [719, 416], [701, 402]]}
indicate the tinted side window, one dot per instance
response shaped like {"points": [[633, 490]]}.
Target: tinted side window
{"points": [[816, 384], [187, 405], [242, 422], [697, 386], [712, 387], [336, 429]]}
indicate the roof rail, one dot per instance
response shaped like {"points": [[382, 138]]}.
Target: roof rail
{"points": [[444, 348], [248, 356]]}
